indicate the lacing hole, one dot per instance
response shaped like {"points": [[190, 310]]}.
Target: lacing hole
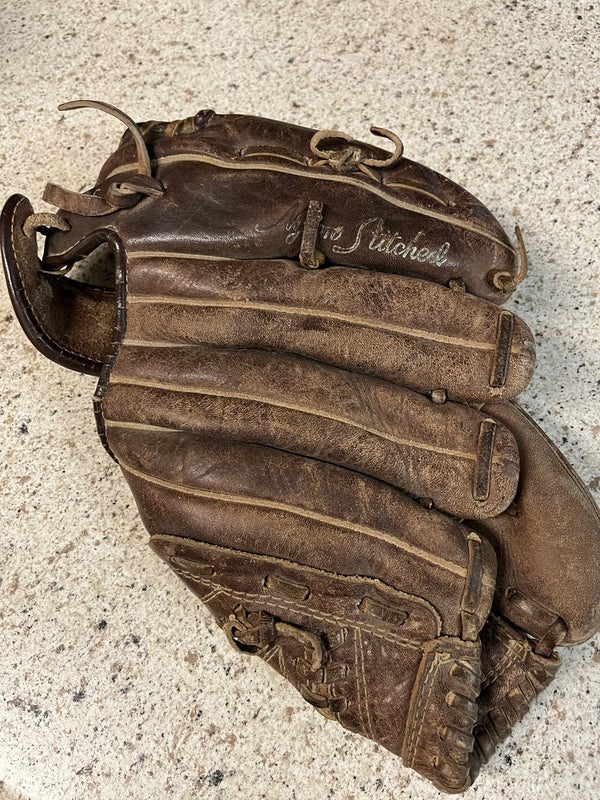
{"points": [[457, 285]]}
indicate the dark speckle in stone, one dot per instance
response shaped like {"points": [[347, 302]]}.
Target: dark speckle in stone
{"points": [[23, 428], [78, 696], [215, 777], [102, 624]]}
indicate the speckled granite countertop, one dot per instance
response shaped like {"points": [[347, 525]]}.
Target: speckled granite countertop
{"points": [[114, 682]]}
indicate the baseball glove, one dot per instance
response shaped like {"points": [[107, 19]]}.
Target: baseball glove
{"points": [[306, 376]]}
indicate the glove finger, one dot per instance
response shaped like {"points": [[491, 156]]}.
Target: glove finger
{"points": [[188, 482], [242, 187], [418, 334], [548, 543], [449, 454], [266, 548]]}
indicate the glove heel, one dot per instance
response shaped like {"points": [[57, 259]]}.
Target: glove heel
{"points": [[438, 740], [513, 678]]}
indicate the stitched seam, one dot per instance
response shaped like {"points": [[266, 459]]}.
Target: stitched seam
{"points": [[313, 411], [417, 552], [327, 314], [150, 343], [408, 187], [277, 602], [398, 595], [422, 702], [263, 153], [516, 652], [270, 652], [387, 196], [166, 254], [211, 595], [359, 647], [282, 665], [359, 696], [511, 647]]}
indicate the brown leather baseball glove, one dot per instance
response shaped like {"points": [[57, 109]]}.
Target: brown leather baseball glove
{"points": [[306, 376]]}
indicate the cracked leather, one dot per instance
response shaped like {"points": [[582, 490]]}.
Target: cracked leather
{"points": [[308, 379]]}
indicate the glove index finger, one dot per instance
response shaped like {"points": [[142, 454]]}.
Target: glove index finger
{"points": [[414, 333]]}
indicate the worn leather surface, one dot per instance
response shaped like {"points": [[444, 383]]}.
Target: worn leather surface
{"points": [[58, 316], [425, 707], [513, 675], [307, 378], [426, 336], [550, 562], [405, 218], [296, 404]]}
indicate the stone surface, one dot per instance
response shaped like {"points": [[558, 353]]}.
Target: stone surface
{"points": [[113, 681]]}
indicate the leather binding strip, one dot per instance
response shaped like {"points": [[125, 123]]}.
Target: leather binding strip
{"points": [[506, 324]]}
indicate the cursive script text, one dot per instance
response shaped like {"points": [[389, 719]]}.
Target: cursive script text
{"points": [[373, 235]]}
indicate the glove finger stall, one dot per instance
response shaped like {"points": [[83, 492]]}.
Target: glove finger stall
{"points": [[460, 459], [420, 335]]}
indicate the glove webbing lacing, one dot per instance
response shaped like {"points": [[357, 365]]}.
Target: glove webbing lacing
{"points": [[118, 194], [351, 158]]}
